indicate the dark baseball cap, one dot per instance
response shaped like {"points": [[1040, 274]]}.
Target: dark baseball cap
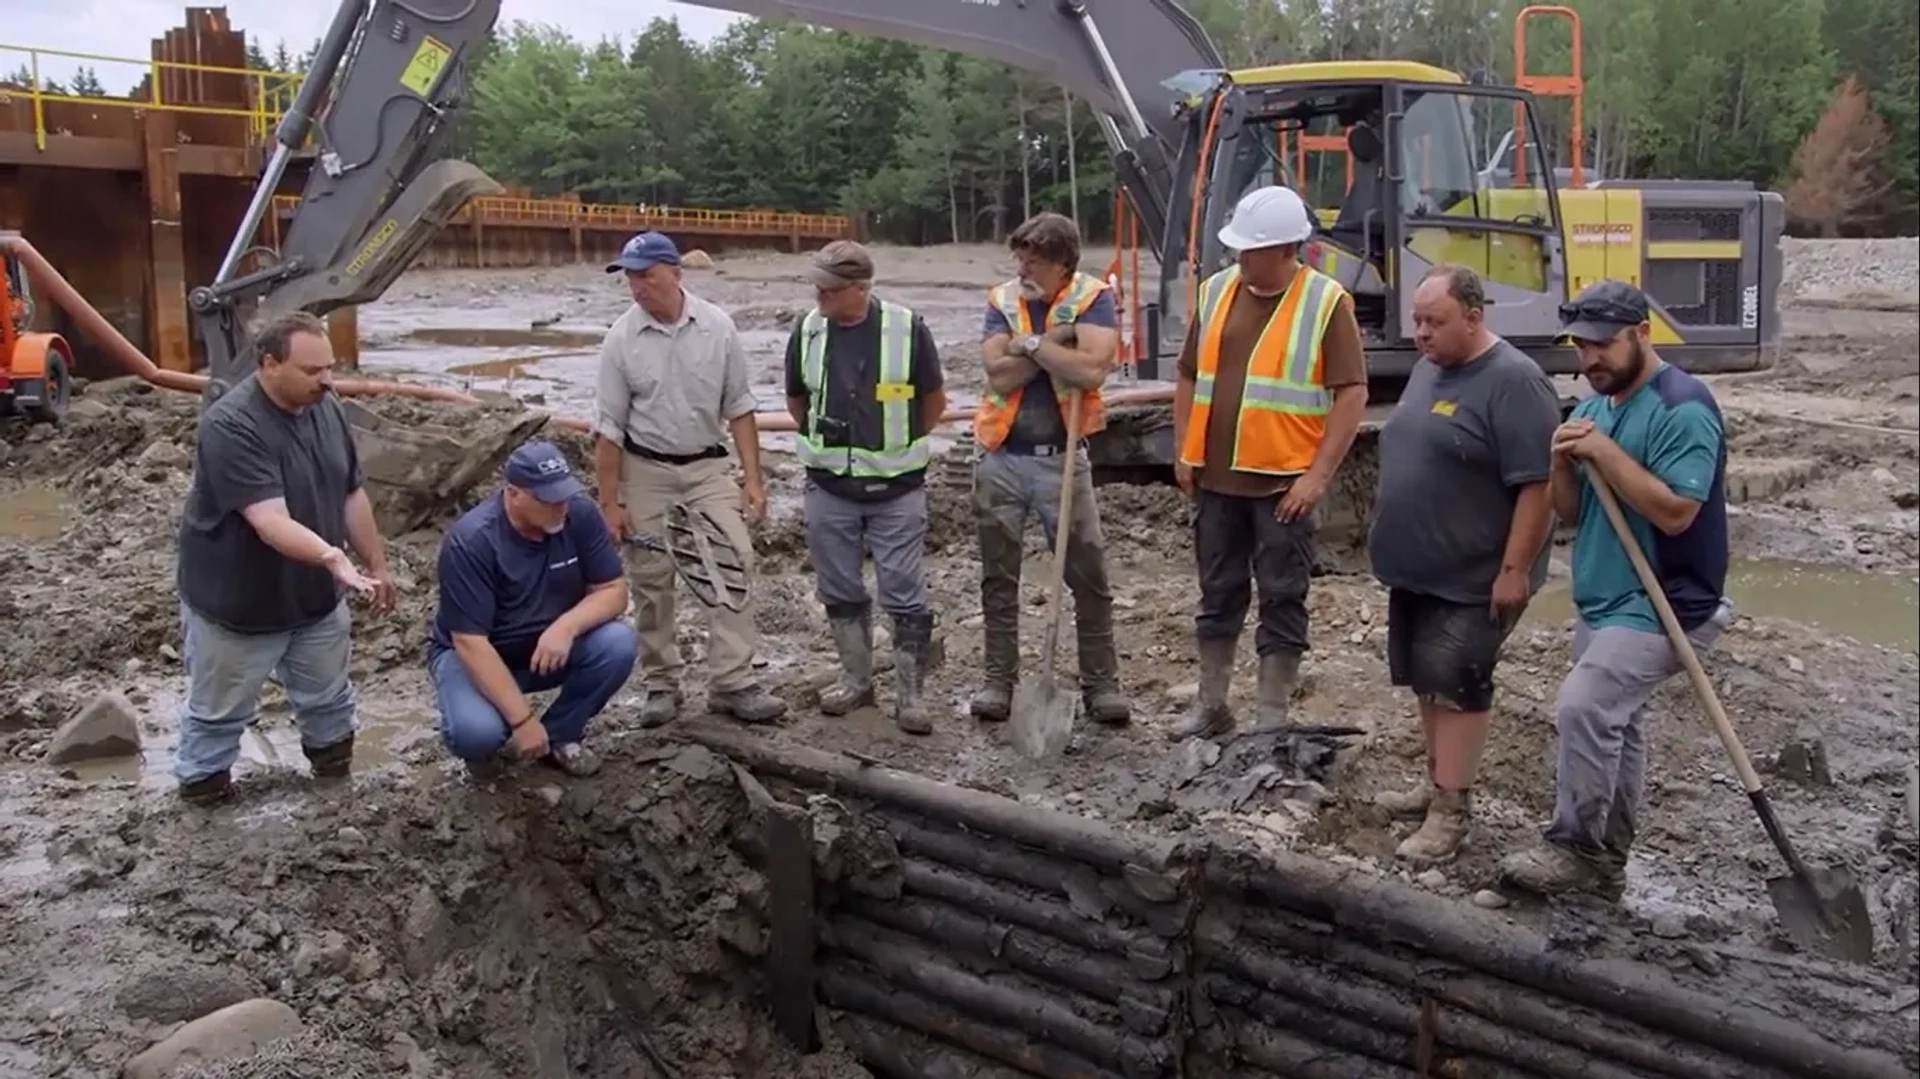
{"points": [[841, 263], [1602, 310], [541, 470], [644, 250]]}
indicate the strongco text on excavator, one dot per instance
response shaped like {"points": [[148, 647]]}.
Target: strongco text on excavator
{"points": [[1441, 169]]}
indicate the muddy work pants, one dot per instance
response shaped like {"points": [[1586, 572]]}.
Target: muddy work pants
{"points": [[1241, 544], [839, 533], [1008, 490], [648, 487], [1601, 772], [226, 672], [598, 665]]}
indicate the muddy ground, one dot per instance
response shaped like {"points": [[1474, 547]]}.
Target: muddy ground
{"points": [[422, 925]]}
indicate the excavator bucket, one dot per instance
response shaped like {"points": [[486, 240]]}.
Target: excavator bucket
{"points": [[418, 471]]}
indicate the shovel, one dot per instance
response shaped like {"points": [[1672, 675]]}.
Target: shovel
{"points": [[1042, 715], [1823, 911]]}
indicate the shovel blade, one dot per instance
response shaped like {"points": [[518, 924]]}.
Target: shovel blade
{"points": [[1826, 913], [1042, 720]]}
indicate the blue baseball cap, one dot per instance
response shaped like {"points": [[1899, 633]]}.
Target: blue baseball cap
{"points": [[541, 470], [1602, 310], [644, 250]]}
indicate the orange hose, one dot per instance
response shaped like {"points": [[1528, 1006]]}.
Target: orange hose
{"points": [[125, 353]]}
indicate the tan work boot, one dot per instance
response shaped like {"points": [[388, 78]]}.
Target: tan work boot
{"points": [[1449, 817], [853, 638], [1211, 716], [1407, 803]]}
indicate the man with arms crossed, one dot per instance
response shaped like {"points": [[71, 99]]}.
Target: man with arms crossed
{"points": [[1458, 537], [277, 488], [1050, 333], [672, 389], [1655, 435], [531, 594]]}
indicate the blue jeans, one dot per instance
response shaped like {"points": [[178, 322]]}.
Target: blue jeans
{"points": [[227, 670], [596, 668]]}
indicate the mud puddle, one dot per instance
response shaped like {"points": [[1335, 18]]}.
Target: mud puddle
{"points": [[1873, 608], [33, 513]]}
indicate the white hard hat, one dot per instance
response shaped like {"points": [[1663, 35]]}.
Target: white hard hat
{"points": [[1267, 217]]}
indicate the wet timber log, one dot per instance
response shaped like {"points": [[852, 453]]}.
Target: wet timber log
{"points": [[964, 934]]}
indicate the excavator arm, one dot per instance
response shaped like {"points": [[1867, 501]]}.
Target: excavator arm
{"points": [[390, 75], [379, 99]]}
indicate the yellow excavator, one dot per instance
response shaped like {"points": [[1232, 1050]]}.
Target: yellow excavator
{"points": [[1437, 167]]}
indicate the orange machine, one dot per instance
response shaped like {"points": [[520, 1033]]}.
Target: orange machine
{"points": [[36, 369]]}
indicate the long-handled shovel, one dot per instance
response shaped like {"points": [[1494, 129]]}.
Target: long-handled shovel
{"points": [[1825, 910], [1042, 718]]}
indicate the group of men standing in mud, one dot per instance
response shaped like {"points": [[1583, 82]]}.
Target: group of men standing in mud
{"points": [[1272, 383]]}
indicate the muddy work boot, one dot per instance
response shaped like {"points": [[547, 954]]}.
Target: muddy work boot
{"points": [[748, 704], [1211, 716], [207, 790], [852, 628], [1407, 803], [1449, 817], [661, 707], [331, 762], [1279, 673], [1556, 869], [1100, 679], [994, 701], [912, 637]]}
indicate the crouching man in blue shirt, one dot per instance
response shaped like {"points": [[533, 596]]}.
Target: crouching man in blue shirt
{"points": [[531, 597]]}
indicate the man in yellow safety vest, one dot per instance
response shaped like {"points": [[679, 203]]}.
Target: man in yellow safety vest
{"points": [[864, 386], [1272, 383]]}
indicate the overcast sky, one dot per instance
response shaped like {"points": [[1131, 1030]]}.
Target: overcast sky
{"points": [[125, 27]]}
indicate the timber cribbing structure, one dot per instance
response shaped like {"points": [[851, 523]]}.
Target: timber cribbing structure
{"points": [[134, 198]]}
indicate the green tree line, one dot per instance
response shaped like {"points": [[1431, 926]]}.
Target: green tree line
{"points": [[936, 146]]}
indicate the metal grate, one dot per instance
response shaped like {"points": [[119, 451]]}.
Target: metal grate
{"points": [[1692, 224], [1697, 293]]}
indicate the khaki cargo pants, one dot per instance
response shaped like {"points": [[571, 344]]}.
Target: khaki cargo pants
{"points": [[648, 488]]}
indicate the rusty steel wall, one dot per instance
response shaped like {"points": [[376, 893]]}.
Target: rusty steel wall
{"points": [[953, 934]]}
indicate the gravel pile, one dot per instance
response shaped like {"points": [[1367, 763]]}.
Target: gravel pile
{"points": [[1842, 269]]}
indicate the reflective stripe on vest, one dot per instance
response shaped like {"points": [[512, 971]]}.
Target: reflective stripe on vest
{"points": [[1284, 379], [900, 452]]}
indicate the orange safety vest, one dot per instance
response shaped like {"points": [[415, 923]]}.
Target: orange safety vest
{"points": [[994, 418], [1283, 409]]}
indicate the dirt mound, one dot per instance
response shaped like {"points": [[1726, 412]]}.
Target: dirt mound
{"points": [[600, 928]]}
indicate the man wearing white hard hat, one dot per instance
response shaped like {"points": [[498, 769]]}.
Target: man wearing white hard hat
{"points": [[1272, 383]]}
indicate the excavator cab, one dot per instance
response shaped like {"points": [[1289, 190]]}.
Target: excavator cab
{"points": [[1417, 188], [35, 368]]}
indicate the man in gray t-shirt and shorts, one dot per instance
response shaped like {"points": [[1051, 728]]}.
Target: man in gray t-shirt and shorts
{"points": [[1459, 537]]}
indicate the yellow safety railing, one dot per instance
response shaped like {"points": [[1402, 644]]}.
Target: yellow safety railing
{"points": [[269, 92], [566, 213]]}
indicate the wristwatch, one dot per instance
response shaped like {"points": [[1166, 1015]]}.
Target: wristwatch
{"points": [[1030, 344]]}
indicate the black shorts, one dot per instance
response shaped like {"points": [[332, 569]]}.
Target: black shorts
{"points": [[1444, 650]]}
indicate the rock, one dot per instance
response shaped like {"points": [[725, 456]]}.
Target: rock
{"points": [[1804, 761], [235, 1032], [1883, 477], [106, 727], [1488, 899], [425, 936], [1796, 665], [1432, 880], [696, 259], [163, 456], [1182, 696], [178, 996]]}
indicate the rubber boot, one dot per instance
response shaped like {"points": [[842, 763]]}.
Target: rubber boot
{"points": [[1279, 673], [331, 762], [853, 636], [1211, 715], [1100, 676], [1449, 818], [994, 702], [912, 637]]}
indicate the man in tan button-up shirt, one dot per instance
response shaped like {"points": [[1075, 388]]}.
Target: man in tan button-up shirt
{"points": [[672, 387]]}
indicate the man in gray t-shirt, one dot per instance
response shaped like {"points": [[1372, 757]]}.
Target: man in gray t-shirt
{"points": [[1458, 537], [277, 489]]}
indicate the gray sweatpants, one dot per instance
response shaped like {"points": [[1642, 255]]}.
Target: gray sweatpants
{"points": [[839, 533], [1602, 718]]}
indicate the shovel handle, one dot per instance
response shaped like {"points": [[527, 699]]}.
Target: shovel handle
{"points": [[1062, 527]]}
